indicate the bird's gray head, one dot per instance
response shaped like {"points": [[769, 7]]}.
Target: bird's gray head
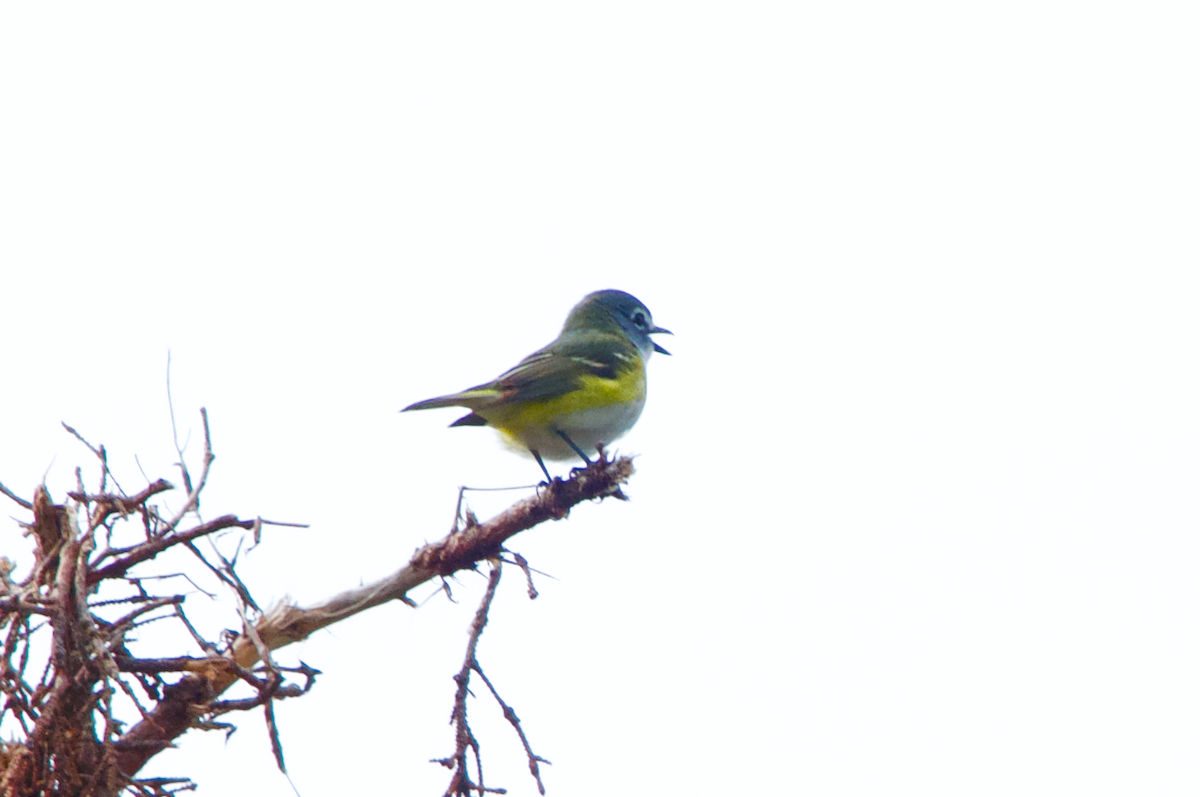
{"points": [[602, 309]]}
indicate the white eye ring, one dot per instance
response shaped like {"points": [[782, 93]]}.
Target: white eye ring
{"points": [[639, 318]]}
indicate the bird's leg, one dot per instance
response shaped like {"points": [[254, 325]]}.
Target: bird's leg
{"points": [[574, 447], [541, 464]]}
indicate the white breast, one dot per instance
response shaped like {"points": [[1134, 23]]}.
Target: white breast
{"points": [[588, 428]]}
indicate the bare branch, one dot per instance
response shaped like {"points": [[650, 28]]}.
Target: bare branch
{"points": [[193, 500], [460, 780], [520, 562], [149, 550], [176, 664], [15, 497], [101, 455], [285, 623], [106, 503], [511, 716], [117, 629], [76, 740], [464, 738]]}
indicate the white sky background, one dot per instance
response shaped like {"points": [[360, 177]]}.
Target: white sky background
{"points": [[918, 494]]}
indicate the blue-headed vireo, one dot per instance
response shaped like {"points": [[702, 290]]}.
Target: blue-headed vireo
{"points": [[580, 393]]}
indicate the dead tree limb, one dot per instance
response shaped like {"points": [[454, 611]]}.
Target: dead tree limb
{"points": [[87, 590], [286, 623]]}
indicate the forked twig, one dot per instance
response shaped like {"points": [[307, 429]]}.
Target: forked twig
{"points": [[460, 779]]}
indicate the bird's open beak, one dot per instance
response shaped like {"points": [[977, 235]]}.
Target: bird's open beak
{"points": [[660, 330]]}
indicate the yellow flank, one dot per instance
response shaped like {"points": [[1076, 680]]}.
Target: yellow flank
{"points": [[592, 392]]}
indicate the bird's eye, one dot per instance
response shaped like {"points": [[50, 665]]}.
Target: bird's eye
{"points": [[639, 318]]}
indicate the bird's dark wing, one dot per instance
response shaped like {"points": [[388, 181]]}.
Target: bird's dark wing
{"points": [[558, 368], [547, 373]]}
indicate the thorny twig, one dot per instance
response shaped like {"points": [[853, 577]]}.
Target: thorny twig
{"points": [[520, 562], [101, 455], [268, 688], [511, 716], [460, 780], [193, 499], [21, 501]]}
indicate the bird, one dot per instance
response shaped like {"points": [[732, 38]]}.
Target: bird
{"points": [[581, 392]]}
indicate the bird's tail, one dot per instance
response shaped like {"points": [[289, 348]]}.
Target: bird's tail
{"points": [[471, 399], [434, 403]]}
